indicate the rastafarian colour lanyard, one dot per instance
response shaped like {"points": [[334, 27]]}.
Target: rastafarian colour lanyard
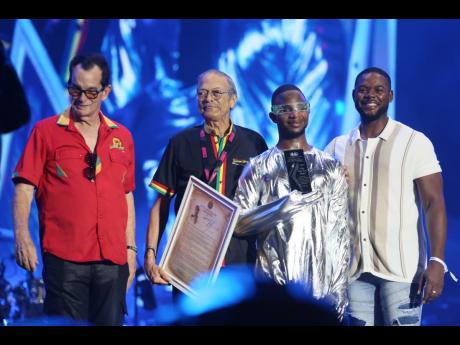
{"points": [[211, 172]]}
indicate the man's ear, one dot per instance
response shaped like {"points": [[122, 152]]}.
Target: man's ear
{"points": [[273, 117], [106, 91], [233, 100]]}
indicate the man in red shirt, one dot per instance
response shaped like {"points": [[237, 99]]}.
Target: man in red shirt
{"points": [[80, 165]]}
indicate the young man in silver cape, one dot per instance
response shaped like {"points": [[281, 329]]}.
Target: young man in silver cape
{"points": [[298, 210]]}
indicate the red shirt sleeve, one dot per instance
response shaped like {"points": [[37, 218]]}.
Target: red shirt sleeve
{"points": [[129, 182], [32, 162]]}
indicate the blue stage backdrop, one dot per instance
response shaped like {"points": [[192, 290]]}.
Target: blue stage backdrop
{"points": [[155, 63]]}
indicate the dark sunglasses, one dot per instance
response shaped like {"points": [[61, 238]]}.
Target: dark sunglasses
{"points": [[90, 171], [75, 92]]}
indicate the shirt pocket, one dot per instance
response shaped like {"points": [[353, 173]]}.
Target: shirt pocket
{"points": [[69, 162], [120, 162]]}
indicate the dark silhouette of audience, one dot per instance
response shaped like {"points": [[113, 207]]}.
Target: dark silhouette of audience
{"points": [[15, 111]]}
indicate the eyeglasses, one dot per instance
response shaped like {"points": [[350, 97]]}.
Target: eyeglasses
{"points": [[75, 92], [216, 94], [90, 171], [280, 109]]}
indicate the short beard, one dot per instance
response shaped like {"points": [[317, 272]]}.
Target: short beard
{"points": [[368, 119]]}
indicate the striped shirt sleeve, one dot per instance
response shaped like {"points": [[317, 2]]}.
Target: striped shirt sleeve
{"points": [[164, 180]]}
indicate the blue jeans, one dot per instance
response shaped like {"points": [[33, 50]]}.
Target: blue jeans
{"points": [[379, 302]]}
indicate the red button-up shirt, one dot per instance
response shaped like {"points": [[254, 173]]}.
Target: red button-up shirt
{"points": [[80, 220]]}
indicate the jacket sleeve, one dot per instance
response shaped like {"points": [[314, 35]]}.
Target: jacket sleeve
{"points": [[339, 239]]}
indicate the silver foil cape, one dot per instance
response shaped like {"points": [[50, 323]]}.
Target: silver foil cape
{"points": [[301, 238]]}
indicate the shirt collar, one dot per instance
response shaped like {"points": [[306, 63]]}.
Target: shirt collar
{"points": [[64, 119], [384, 135], [227, 132]]}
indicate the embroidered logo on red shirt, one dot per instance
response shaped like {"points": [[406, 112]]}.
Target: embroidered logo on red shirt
{"points": [[117, 144]]}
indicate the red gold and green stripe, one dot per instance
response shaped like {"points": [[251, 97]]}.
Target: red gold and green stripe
{"points": [[220, 177], [63, 119], [161, 188], [215, 145], [98, 165], [60, 171], [109, 122]]}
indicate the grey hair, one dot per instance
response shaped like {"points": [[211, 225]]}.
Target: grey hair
{"points": [[226, 76]]}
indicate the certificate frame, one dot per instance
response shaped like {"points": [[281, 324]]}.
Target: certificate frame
{"points": [[200, 236]]}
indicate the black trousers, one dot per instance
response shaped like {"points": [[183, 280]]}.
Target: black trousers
{"points": [[93, 292]]}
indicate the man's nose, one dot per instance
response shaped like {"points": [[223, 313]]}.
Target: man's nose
{"points": [[371, 93], [208, 96], [82, 97]]}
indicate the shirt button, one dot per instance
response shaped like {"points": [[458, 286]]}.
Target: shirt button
{"points": [[362, 211], [365, 185], [367, 157], [364, 240]]}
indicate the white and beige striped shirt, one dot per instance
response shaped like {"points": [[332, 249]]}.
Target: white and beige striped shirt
{"points": [[386, 211]]}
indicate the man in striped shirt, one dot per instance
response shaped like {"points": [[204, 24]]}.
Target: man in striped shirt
{"points": [[393, 172]]}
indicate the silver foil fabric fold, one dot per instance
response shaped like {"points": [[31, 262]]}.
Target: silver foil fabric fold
{"points": [[302, 239]]}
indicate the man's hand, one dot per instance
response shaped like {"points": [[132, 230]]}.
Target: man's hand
{"points": [[26, 254], [132, 264], [155, 274], [432, 282]]}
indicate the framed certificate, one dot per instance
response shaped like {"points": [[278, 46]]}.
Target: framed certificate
{"points": [[200, 235]]}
